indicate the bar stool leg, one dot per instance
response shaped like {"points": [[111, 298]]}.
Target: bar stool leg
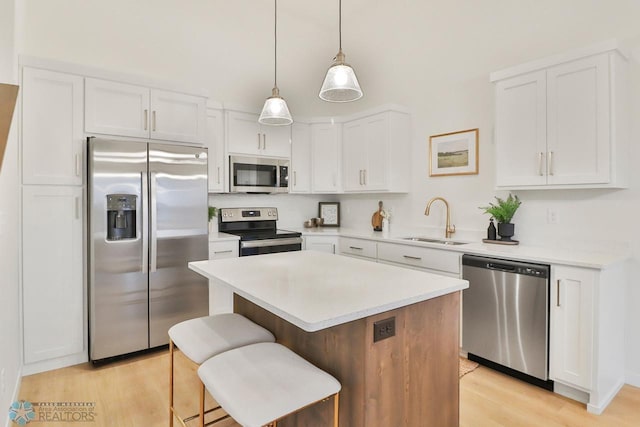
{"points": [[170, 383], [336, 405], [201, 404]]}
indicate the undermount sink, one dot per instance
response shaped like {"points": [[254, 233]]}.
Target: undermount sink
{"points": [[430, 240]]}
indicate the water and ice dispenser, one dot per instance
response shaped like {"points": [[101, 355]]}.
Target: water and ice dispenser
{"points": [[121, 216]]}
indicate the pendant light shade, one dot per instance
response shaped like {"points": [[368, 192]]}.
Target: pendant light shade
{"points": [[340, 84], [275, 111]]}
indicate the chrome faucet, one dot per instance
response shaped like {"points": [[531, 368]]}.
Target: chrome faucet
{"points": [[449, 229]]}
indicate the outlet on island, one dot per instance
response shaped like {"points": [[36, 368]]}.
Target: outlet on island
{"points": [[383, 329]]}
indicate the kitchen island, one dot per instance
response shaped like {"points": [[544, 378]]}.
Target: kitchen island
{"points": [[327, 307]]}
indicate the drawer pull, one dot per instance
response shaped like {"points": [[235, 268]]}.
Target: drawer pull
{"points": [[355, 248], [415, 258], [223, 252]]}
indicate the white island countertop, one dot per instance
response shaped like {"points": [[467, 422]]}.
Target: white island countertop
{"points": [[315, 290]]}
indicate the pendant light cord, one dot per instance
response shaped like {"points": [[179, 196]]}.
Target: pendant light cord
{"points": [[275, 45], [340, 24]]}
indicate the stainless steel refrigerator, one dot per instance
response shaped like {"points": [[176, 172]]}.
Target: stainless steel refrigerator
{"points": [[147, 220]]}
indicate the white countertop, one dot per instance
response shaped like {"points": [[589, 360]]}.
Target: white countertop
{"points": [[314, 290], [541, 254], [222, 237]]}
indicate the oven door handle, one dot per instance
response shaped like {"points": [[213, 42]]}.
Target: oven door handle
{"points": [[270, 242]]}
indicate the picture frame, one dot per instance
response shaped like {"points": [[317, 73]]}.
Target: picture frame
{"points": [[454, 153], [330, 213]]}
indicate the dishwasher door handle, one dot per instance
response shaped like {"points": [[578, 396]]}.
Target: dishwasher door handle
{"points": [[501, 267]]}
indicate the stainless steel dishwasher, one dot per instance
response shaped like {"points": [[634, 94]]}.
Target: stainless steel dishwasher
{"points": [[505, 317]]}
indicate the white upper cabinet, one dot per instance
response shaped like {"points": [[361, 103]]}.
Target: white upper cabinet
{"points": [[122, 109], [376, 153], [300, 169], [246, 136], [215, 144], [325, 158], [561, 123], [52, 135]]}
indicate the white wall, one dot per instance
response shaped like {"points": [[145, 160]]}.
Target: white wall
{"points": [[10, 350], [433, 58]]}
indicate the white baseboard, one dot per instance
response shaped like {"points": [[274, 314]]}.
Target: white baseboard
{"points": [[49, 365], [598, 407], [16, 393], [633, 379]]}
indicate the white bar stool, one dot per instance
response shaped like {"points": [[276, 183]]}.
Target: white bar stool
{"points": [[202, 338], [259, 384]]}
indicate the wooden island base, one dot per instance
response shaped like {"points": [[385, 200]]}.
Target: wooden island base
{"points": [[410, 379]]}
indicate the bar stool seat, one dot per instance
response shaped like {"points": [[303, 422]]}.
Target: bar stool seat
{"points": [[204, 337], [261, 383]]}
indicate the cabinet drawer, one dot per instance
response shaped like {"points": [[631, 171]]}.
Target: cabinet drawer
{"points": [[358, 247], [224, 249], [433, 259]]}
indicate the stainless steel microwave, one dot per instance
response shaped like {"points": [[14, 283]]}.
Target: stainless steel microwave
{"points": [[258, 175]]}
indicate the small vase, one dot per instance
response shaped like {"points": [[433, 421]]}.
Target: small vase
{"points": [[506, 230]]}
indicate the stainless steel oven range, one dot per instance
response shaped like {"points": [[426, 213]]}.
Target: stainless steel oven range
{"points": [[258, 231]]}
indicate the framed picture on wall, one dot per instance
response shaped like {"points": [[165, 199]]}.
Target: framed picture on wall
{"points": [[454, 153], [330, 212]]}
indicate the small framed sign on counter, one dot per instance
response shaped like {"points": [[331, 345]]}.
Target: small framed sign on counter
{"points": [[330, 213]]}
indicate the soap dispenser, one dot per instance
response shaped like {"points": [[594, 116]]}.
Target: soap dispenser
{"points": [[491, 231]]}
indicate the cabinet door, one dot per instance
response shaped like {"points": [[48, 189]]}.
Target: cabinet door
{"points": [[243, 133], [377, 142], [215, 143], [521, 130], [116, 108], [321, 243], [52, 272], [276, 141], [578, 139], [221, 296], [571, 329], [325, 158], [52, 137], [300, 174], [354, 155], [177, 117]]}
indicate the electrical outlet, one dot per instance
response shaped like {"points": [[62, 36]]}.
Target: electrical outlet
{"points": [[552, 216], [383, 329]]}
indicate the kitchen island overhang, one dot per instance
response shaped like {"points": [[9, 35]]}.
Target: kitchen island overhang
{"points": [[325, 307]]}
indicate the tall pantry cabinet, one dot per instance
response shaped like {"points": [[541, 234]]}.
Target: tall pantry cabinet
{"points": [[52, 160]]}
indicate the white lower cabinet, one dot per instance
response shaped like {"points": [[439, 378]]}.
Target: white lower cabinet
{"points": [[52, 274], [571, 311], [321, 243], [426, 259], [359, 248], [221, 296]]}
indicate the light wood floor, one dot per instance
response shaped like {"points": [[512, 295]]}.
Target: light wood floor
{"points": [[134, 393]]}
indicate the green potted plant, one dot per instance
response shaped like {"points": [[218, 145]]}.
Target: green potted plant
{"points": [[503, 211], [213, 224]]}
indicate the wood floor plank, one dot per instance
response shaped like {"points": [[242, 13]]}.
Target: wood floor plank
{"points": [[134, 393]]}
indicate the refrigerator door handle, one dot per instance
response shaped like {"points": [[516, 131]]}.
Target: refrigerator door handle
{"points": [[154, 227], [145, 221]]}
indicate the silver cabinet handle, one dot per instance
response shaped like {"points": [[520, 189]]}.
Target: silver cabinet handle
{"points": [[144, 230], [78, 165], [558, 293], [540, 170], [550, 162], [415, 258], [355, 248], [77, 207], [364, 177], [360, 176], [153, 122], [264, 141], [146, 119], [223, 252], [218, 174], [153, 202], [295, 178], [258, 140]]}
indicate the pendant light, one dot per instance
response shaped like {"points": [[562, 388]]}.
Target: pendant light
{"points": [[340, 83], [275, 111]]}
